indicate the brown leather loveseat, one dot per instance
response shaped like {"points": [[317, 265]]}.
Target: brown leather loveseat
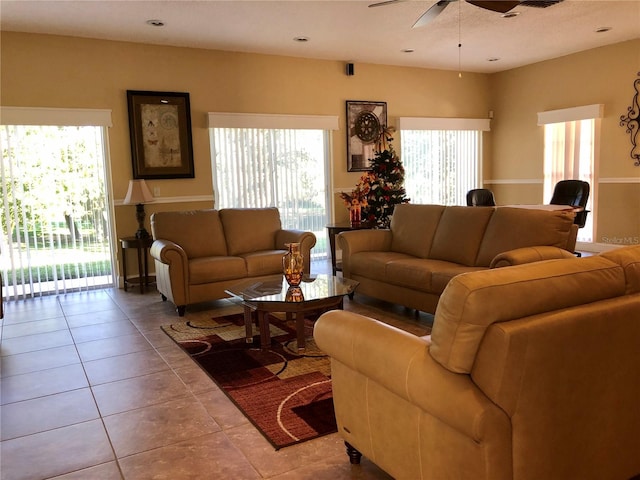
{"points": [[200, 253]]}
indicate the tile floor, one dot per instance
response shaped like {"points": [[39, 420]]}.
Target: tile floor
{"points": [[91, 388]]}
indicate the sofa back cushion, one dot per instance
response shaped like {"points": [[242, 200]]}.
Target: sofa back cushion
{"points": [[198, 232], [460, 233], [413, 227], [250, 229], [512, 228], [473, 301]]}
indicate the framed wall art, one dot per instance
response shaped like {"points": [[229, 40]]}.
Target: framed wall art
{"points": [[364, 125], [160, 129]]}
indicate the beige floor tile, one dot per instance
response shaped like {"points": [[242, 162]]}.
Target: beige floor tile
{"points": [[46, 413], [114, 346], [138, 392], [103, 330], [55, 452], [44, 382], [35, 327], [194, 378], [105, 471], [159, 425], [336, 468], [175, 356], [39, 360], [135, 364], [83, 320], [207, 457], [32, 343], [270, 462], [221, 408]]}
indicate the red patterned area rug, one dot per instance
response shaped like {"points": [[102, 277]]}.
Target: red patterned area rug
{"points": [[286, 395]]}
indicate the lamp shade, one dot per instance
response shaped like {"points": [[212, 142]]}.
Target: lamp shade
{"points": [[138, 193]]}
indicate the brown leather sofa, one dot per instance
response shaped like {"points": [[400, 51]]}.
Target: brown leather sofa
{"points": [[200, 253], [427, 245], [531, 372]]}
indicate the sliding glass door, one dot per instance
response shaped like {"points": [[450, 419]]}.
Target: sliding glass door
{"points": [[55, 216]]}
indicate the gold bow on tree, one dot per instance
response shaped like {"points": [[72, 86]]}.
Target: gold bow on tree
{"points": [[384, 140]]}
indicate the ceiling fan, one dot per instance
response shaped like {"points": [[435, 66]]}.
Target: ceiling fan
{"points": [[501, 6]]}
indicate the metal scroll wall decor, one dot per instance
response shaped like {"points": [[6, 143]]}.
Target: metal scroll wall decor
{"points": [[632, 123]]}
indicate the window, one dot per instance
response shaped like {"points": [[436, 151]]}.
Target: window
{"points": [[274, 160], [55, 221], [570, 151], [442, 158]]}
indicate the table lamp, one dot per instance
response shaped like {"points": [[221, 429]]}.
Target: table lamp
{"points": [[139, 194]]}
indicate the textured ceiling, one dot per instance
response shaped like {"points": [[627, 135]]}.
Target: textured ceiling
{"points": [[347, 31]]}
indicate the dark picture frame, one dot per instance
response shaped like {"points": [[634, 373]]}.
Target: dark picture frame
{"points": [[365, 121], [160, 130]]}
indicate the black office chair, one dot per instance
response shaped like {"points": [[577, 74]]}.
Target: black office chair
{"points": [[574, 193], [480, 197]]}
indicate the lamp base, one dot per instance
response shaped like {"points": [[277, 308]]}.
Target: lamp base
{"points": [[142, 233]]}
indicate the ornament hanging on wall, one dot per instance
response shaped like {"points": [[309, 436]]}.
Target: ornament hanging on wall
{"points": [[632, 122]]}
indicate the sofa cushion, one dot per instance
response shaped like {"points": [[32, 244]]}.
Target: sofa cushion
{"points": [[409, 272], [460, 233], [250, 229], [373, 264], [216, 269], [198, 232], [512, 228], [267, 262], [472, 302], [629, 259], [413, 228], [444, 272]]}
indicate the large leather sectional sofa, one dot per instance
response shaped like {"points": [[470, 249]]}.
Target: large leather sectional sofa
{"points": [[427, 245], [198, 254], [531, 372]]}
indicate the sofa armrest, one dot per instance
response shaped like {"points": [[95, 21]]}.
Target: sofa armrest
{"points": [[307, 241], [168, 252], [519, 256], [401, 363], [355, 241]]}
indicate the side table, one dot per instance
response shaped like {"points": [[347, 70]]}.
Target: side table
{"points": [[334, 229], [142, 245]]}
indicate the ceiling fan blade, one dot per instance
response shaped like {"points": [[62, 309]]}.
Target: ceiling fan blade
{"points": [[502, 6], [432, 13], [387, 2]]}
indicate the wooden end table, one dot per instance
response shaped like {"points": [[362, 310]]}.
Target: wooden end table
{"points": [[142, 246]]}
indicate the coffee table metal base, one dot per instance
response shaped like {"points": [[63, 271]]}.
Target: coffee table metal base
{"points": [[262, 310]]}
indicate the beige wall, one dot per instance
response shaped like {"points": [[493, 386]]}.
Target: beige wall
{"points": [[603, 75], [54, 71]]}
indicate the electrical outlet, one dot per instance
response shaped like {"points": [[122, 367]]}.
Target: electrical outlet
{"points": [[156, 191]]}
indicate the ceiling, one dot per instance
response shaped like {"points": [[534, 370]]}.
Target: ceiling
{"points": [[346, 31]]}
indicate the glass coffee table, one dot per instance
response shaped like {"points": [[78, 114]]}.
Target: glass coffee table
{"points": [[273, 294]]}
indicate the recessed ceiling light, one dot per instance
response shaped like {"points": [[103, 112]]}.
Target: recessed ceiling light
{"points": [[493, 59], [407, 50], [155, 23], [602, 29], [301, 39], [510, 14]]}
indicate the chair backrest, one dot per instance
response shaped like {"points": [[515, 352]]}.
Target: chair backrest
{"points": [[575, 193], [480, 197]]}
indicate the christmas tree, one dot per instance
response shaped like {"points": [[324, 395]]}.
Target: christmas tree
{"points": [[386, 182]]}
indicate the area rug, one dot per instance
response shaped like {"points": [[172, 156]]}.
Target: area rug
{"points": [[286, 395]]}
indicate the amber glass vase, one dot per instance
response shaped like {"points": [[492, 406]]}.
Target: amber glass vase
{"points": [[293, 264]]}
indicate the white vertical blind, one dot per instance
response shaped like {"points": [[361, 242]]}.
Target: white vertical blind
{"points": [[279, 167], [441, 166], [55, 226]]}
